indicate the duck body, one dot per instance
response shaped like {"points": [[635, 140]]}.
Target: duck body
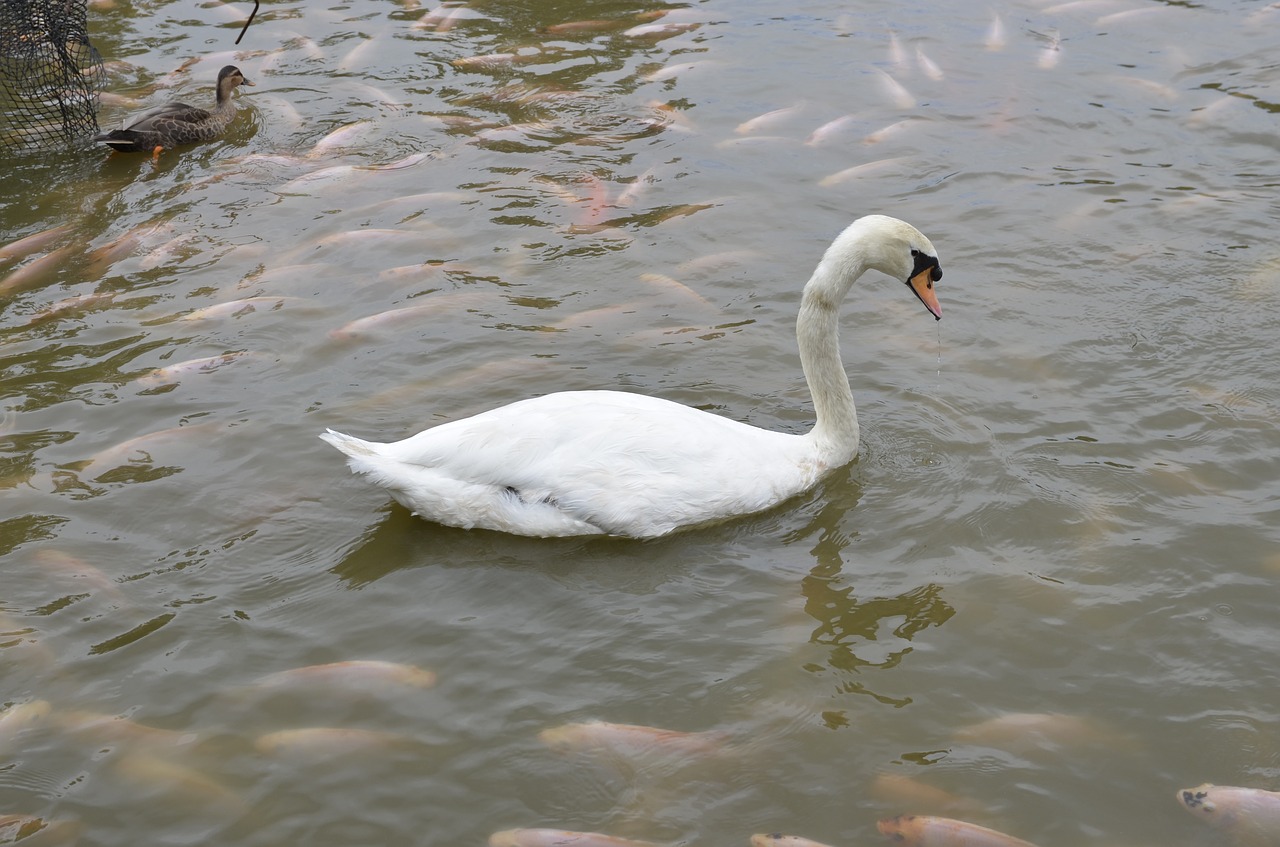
{"points": [[177, 123], [618, 463]]}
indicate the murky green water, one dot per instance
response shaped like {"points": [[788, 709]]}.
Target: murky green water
{"points": [[1065, 501]]}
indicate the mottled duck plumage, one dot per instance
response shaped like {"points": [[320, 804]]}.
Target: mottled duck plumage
{"points": [[178, 123]]}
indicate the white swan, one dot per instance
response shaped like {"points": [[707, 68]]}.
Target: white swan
{"points": [[614, 463]]}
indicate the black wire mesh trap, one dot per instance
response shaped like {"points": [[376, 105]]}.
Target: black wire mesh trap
{"points": [[50, 74]]}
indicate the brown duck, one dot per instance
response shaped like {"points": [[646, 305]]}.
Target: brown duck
{"points": [[177, 123]]}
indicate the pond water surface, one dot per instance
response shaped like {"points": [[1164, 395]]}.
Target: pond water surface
{"points": [[1063, 517]]}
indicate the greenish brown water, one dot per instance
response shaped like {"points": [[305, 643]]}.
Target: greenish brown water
{"points": [[1065, 500]]}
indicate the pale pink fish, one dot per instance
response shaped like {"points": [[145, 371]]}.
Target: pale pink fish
{"points": [[119, 101], [1028, 731], [895, 91], [375, 95], [102, 258], [358, 673], [674, 288], [290, 42], [718, 261], [561, 192], [676, 69], [830, 130], [22, 718], [450, 20], [179, 248], [324, 245], [519, 133], [904, 792], [383, 321], [496, 373], [897, 55], [995, 39], [588, 26], [264, 159], [445, 18], [400, 164], [415, 273], [33, 243], [672, 116], [359, 55], [559, 838], [596, 202], [170, 374], [885, 133], [659, 31], [76, 304], [1250, 817], [925, 831], [1263, 15], [628, 196], [176, 782], [237, 308], [308, 46], [433, 17], [344, 136], [286, 274], [768, 120], [325, 741], [629, 739], [777, 839], [597, 319], [754, 141], [75, 568], [860, 171], [318, 179], [126, 451], [1147, 86], [1212, 114], [1050, 54], [519, 93], [488, 60], [226, 11], [37, 272], [281, 112], [461, 122], [682, 210], [927, 66], [104, 728]]}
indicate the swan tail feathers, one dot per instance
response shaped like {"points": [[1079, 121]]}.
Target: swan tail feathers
{"points": [[367, 458], [355, 448]]}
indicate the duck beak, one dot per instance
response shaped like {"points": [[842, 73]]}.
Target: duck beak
{"points": [[922, 285], [244, 80]]}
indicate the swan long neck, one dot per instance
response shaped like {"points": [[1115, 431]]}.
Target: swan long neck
{"points": [[835, 434]]}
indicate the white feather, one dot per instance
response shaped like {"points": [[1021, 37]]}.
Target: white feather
{"points": [[616, 463]]}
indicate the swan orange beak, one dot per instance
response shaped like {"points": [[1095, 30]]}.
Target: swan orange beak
{"points": [[922, 285]]}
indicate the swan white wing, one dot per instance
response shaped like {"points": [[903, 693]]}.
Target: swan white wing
{"points": [[598, 461]]}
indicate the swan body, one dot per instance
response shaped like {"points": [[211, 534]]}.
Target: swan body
{"points": [[617, 463]]}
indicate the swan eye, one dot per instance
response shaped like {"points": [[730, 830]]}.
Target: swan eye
{"points": [[924, 262]]}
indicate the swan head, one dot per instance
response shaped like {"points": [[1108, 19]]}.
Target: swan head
{"points": [[898, 249]]}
